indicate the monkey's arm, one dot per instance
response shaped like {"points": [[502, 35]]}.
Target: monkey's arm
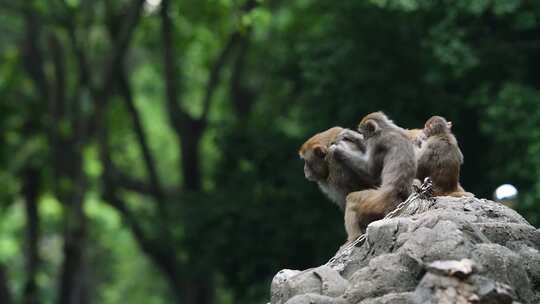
{"points": [[352, 137], [352, 157]]}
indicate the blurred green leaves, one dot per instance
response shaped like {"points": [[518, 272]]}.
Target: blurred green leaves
{"points": [[302, 67]]}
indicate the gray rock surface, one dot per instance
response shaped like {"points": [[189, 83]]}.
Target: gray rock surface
{"points": [[461, 250]]}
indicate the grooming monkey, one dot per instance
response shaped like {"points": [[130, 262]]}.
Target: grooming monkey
{"points": [[391, 157], [440, 158], [334, 178]]}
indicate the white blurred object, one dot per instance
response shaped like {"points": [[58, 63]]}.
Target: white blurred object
{"points": [[506, 191], [153, 2], [506, 194], [150, 6]]}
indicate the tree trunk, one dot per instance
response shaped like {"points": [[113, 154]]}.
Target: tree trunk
{"points": [[72, 283], [190, 139], [5, 295], [191, 290], [72, 278], [198, 291], [30, 191]]}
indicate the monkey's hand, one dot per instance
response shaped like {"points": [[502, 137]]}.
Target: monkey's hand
{"points": [[342, 151], [350, 156], [352, 137]]}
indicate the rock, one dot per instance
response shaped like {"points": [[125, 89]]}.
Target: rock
{"points": [[461, 250], [280, 290], [386, 273], [434, 288], [461, 269], [322, 280], [312, 298], [391, 298]]}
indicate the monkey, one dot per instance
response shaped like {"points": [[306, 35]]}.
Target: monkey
{"points": [[440, 158], [320, 166], [416, 136], [390, 156]]}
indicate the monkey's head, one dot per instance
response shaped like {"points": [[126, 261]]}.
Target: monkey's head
{"points": [[314, 152], [437, 125], [373, 123]]}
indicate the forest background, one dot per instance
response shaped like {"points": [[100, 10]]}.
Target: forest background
{"points": [[148, 149]]}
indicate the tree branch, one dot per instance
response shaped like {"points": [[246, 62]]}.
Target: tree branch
{"points": [[215, 73], [129, 183], [189, 130], [59, 84], [32, 54], [242, 96], [82, 60], [114, 64], [163, 256], [177, 115], [125, 90], [120, 48], [109, 191]]}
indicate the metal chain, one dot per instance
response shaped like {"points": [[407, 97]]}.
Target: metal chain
{"points": [[422, 193]]}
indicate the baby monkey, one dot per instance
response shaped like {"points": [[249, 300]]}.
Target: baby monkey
{"points": [[440, 158], [418, 136]]}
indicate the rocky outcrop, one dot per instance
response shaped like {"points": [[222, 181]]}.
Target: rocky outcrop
{"points": [[461, 250]]}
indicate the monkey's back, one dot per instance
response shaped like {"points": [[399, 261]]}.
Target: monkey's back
{"points": [[441, 160], [397, 163]]}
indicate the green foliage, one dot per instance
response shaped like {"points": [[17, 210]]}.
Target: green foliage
{"points": [[308, 65], [119, 279]]}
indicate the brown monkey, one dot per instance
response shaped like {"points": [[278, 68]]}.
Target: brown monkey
{"points": [[390, 155], [334, 178], [440, 158], [416, 136]]}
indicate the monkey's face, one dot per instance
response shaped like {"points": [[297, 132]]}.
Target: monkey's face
{"points": [[314, 152], [315, 164], [437, 125]]}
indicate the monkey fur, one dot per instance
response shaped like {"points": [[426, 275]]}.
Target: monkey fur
{"points": [[416, 136], [391, 157], [334, 178], [440, 158]]}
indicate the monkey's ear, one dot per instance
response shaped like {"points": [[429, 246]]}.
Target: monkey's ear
{"points": [[320, 151], [371, 126]]}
